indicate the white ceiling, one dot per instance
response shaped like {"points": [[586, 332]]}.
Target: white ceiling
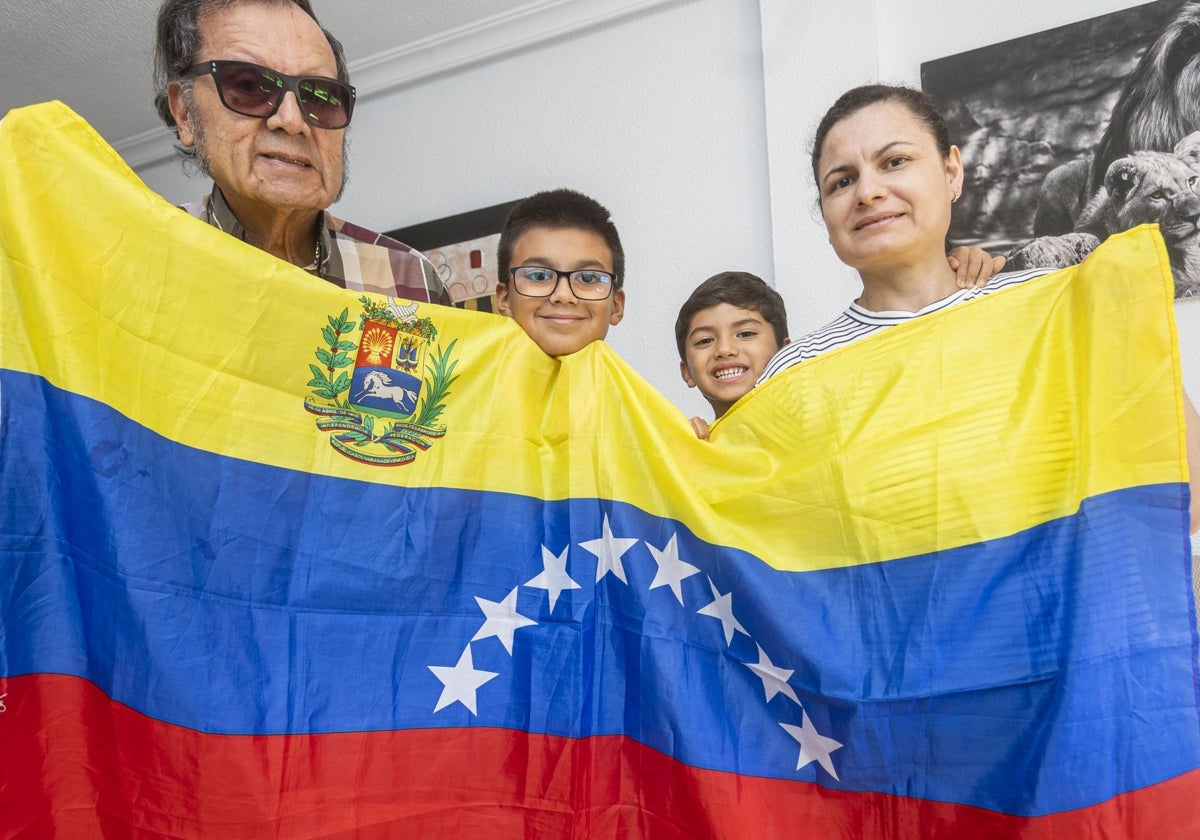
{"points": [[97, 56]]}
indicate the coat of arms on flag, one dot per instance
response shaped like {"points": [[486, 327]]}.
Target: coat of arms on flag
{"points": [[372, 401]]}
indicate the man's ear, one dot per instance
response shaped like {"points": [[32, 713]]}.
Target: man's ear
{"points": [[177, 102], [687, 375], [502, 300]]}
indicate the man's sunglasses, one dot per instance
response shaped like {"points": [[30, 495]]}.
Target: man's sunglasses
{"points": [[256, 91]]}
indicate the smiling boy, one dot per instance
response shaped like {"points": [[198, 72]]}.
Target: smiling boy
{"points": [[727, 330], [561, 269]]}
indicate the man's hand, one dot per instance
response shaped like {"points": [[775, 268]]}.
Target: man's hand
{"points": [[973, 266]]}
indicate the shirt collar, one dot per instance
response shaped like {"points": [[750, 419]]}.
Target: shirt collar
{"points": [[221, 217]]}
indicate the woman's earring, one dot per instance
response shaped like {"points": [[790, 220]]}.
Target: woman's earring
{"points": [[954, 199]]}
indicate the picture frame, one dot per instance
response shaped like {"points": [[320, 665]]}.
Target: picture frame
{"points": [[1040, 120], [462, 249]]}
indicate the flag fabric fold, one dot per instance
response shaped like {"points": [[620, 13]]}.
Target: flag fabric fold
{"points": [[283, 560]]}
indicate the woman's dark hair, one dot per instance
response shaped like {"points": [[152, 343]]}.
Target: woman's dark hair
{"points": [[919, 104]]}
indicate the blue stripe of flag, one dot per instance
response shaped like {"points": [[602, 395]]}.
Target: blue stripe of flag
{"points": [[237, 598]]}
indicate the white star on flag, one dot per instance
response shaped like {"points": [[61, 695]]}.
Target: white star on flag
{"points": [[774, 678], [671, 570], [813, 745], [503, 620], [722, 609], [609, 550], [460, 683], [554, 578]]}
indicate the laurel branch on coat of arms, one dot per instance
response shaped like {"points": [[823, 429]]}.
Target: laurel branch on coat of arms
{"points": [[381, 396]]}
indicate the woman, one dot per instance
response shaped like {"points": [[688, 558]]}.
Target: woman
{"points": [[887, 176]]}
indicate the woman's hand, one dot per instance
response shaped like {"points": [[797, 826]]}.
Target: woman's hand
{"points": [[973, 266]]}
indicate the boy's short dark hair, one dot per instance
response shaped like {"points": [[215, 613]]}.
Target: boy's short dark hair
{"points": [[560, 209], [737, 288]]}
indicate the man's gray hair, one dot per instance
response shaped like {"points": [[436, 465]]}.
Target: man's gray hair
{"points": [[177, 44]]}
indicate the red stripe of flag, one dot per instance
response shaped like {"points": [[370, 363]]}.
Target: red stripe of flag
{"points": [[76, 764]]}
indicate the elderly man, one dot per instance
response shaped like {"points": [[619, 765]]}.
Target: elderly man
{"points": [[258, 94]]}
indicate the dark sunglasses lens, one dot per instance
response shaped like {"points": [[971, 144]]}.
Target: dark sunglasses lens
{"points": [[326, 103], [249, 90]]}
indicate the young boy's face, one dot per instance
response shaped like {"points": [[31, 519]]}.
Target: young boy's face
{"points": [[725, 350], [561, 323]]}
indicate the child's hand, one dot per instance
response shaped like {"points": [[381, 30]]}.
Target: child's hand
{"points": [[700, 428], [973, 266]]}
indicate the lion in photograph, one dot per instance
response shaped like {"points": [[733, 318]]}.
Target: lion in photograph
{"points": [[1158, 187], [1051, 251], [1159, 106]]}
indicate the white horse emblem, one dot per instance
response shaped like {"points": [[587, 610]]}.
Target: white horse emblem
{"points": [[379, 385]]}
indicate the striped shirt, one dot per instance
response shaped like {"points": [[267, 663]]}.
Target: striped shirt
{"points": [[858, 323], [348, 255]]}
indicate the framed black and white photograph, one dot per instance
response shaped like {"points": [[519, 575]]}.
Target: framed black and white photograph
{"points": [[1077, 132]]}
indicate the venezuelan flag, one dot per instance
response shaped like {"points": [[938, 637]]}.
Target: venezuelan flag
{"points": [[282, 561]]}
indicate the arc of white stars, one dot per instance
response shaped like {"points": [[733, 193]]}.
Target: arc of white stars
{"points": [[554, 578], [774, 678], [502, 620], [460, 683], [671, 570], [721, 609], [609, 550], [813, 745]]}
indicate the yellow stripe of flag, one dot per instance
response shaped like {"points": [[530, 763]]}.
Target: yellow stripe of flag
{"points": [[974, 423]]}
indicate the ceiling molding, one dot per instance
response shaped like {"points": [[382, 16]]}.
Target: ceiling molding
{"points": [[147, 147], [527, 25]]}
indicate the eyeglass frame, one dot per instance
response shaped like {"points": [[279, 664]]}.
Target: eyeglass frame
{"points": [[559, 275], [290, 84]]}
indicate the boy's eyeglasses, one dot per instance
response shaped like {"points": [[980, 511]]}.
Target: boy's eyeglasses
{"points": [[256, 91], [538, 281]]}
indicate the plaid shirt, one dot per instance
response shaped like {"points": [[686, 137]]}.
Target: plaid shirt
{"points": [[348, 255]]}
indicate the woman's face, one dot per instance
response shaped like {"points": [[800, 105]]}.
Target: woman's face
{"points": [[885, 189]]}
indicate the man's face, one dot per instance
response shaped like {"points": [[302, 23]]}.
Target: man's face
{"points": [[561, 323], [272, 168]]}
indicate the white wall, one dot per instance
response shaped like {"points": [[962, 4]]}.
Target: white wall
{"points": [[691, 120]]}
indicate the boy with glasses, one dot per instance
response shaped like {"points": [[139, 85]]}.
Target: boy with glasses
{"points": [[561, 267]]}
